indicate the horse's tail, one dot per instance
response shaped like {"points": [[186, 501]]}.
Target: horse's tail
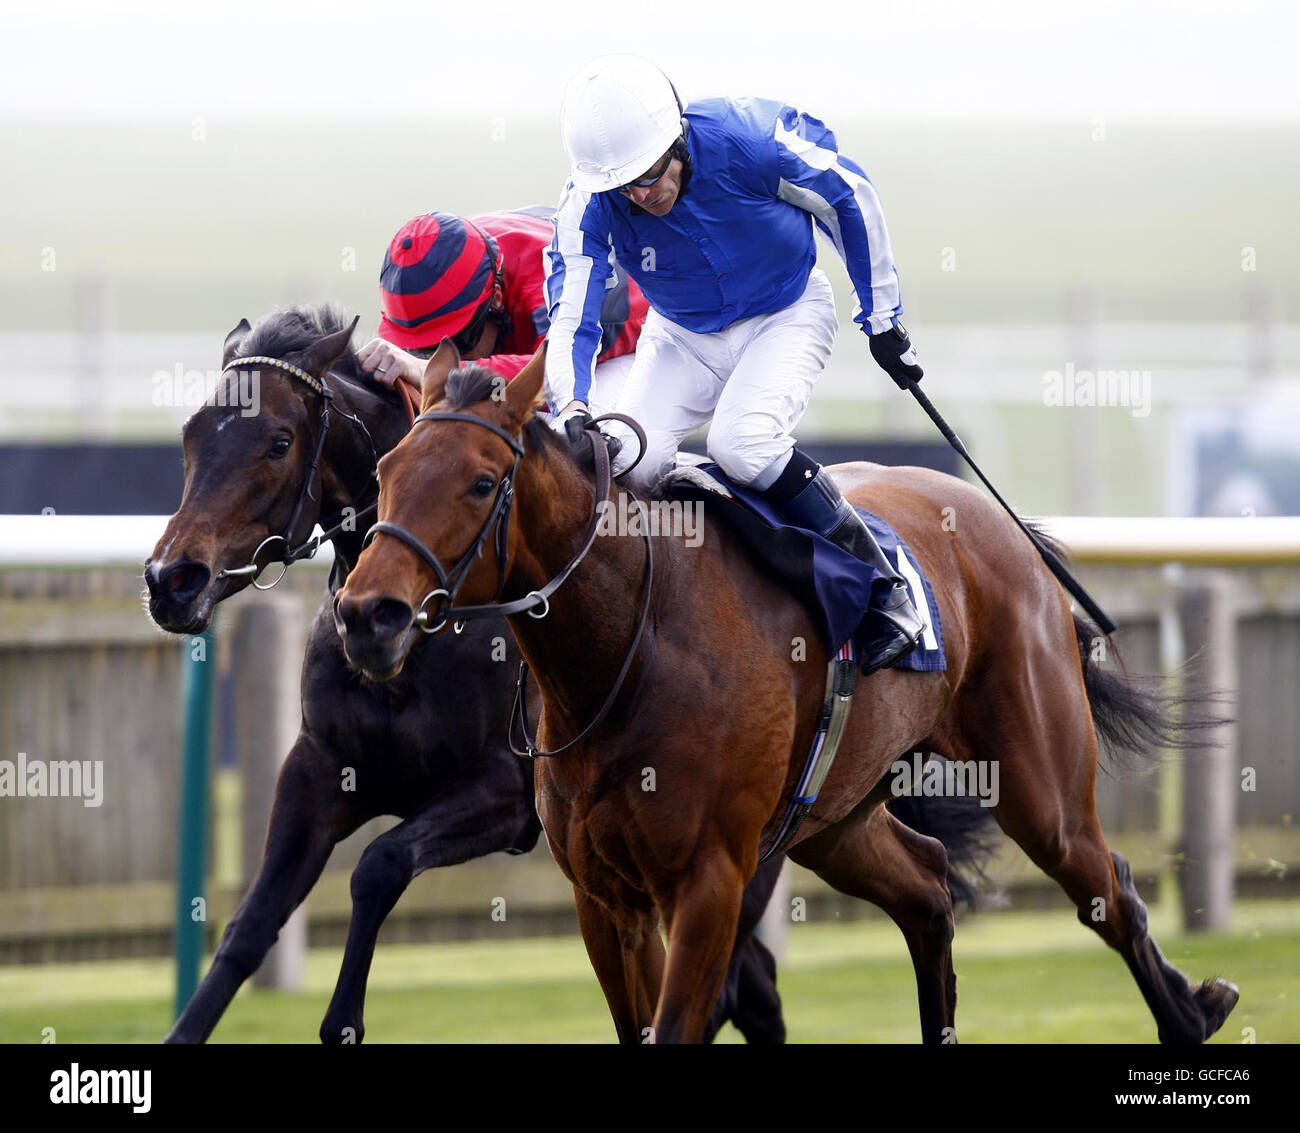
{"points": [[1141, 718], [1138, 718], [967, 830]]}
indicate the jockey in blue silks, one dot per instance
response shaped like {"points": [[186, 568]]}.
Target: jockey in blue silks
{"points": [[710, 208]]}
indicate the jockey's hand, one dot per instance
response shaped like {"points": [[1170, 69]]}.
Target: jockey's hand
{"points": [[560, 420], [894, 353], [387, 363], [582, 434]]}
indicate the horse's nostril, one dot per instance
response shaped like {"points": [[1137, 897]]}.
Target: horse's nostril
{"points": [[181, 582], [390, 616]]}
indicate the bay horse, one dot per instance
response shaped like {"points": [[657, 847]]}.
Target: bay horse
{"points": [[655, 653], [429, 748]]}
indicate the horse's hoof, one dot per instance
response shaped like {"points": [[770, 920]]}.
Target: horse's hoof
{"points": [[1216, 999]]}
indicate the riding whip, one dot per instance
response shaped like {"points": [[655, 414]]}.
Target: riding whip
{"points": [[1054, 564]]}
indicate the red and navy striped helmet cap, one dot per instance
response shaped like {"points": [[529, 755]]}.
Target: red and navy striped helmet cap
{"points": [[438, 270]]}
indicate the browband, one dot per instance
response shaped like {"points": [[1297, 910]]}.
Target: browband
{"points": [[312, 383]]}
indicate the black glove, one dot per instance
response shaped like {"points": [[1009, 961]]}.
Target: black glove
{"points": [[581, 433], [894, 354]]}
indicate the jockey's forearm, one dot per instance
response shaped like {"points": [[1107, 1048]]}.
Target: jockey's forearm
{"points": [[814, 176]]}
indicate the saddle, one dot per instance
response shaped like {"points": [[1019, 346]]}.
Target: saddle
{"points": [[835, 586]]}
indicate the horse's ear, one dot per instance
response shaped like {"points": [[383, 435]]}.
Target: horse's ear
{"points": [[319, 358], [234, 340], [445, 359], [525, 388]]}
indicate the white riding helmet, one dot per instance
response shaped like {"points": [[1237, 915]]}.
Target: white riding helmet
{"points": [[620, 116]]}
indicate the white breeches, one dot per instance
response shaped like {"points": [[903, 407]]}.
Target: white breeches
{"points": [[754, 378]]}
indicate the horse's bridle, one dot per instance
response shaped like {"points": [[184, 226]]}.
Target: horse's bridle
{"points": [[307, 549], [496, 524], [536, 603]]}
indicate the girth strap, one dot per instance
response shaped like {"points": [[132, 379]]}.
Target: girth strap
{"points": [[841, 676]]}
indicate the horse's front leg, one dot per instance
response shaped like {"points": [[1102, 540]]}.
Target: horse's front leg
{"points": [[627, 956], [489, 809], [702, 917], [307, 818], [749, 999]]}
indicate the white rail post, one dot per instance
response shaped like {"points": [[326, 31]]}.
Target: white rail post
{"points": [[1170, 773], [774, 925], [1210, 775], [268, 649]]}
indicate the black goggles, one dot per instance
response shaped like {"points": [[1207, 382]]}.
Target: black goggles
{"points": [[655, 174]]}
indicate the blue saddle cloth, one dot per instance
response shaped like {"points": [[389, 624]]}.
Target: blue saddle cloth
{"points": [[837, 586]]}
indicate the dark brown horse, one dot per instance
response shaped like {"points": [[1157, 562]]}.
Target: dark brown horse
{"points": [[714, 705], [430, 747]]}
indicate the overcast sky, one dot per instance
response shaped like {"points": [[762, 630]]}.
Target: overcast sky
{"points": [[1171, 59]]}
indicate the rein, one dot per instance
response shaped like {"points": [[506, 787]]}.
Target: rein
{"points": [[307, 549], [520, 707], [536, 603]]}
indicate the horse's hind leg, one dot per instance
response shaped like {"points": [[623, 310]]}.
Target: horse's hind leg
{"points": [[756, 1012], [1045, 750], [489, 809], [1181, 1020], [881, 860]]}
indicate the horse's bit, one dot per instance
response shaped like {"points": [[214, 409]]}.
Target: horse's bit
{"points": [[536, 603], [350, 515]]}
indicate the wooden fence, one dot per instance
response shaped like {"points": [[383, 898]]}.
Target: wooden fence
{"points": [[84, 675]]}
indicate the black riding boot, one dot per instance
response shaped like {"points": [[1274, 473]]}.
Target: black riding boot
{"points": [[892, 625]]}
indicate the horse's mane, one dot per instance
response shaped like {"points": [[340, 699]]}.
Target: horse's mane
{"points": [[291, 329], [468, 385], [472, 384]]}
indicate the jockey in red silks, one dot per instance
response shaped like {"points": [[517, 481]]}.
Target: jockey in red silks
{"points": [[480, 281]]}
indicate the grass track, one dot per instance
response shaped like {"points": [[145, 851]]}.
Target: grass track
{"points": [[1023, 977]]}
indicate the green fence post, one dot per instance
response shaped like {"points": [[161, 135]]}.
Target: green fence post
{"points": [[198, 666]]}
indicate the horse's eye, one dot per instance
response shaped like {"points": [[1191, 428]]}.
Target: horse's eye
{"points": [[482, 487], [279, 446]]}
